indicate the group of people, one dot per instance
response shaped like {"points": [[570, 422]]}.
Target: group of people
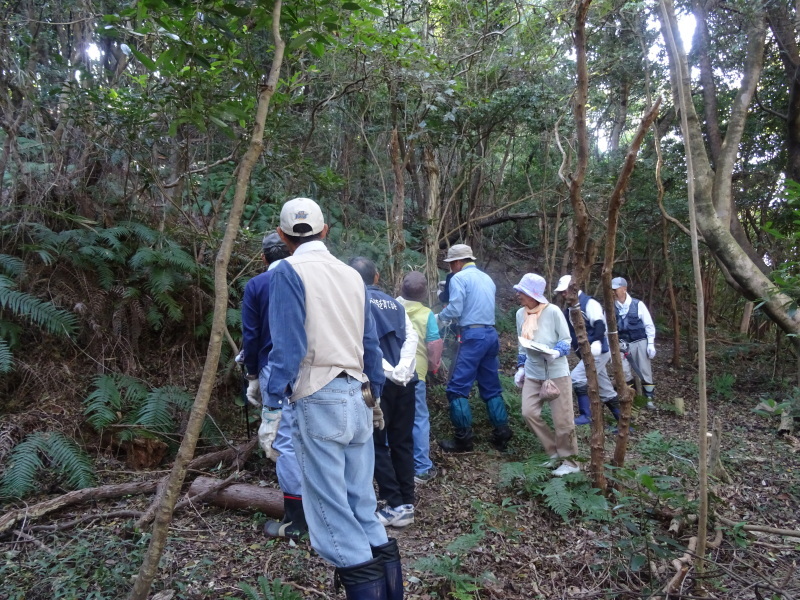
{"points": [[338, 368]]}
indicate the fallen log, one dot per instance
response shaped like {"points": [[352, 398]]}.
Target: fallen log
{"points": [[236, 455], [8, 520], [239, 495]]}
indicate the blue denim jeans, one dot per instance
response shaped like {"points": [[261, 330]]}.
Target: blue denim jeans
{"points": [[333, 442], [422, 430], [288, 470]]}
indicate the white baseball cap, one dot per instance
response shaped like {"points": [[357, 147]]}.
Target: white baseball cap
{"points": [[563, 283], [302, 210], [459, 252], [618, 282], [532, 285]]}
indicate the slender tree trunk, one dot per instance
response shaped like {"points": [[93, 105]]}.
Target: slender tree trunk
{"points": [[397, 240], [432, 216], [149, 567], [681, 76], [615, 203], [581, 266]]}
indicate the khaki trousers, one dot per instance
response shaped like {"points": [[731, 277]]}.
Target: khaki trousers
{"points": [[563, 442]]}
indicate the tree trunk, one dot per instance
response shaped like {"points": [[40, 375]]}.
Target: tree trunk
{"points": [[432, 216], [581, 266], [147, 572], [397, 240], [680, 71], [615, 203]]}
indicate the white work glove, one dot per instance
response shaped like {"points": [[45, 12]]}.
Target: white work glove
{"points": [[377, 415], [270, 420], [239, 357], [519, 377], [597, 348], [551, 355], [401, 375], [254, 392], [651, 351]]}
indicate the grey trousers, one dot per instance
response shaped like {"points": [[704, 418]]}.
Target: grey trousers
{"points": [[603, 382]]}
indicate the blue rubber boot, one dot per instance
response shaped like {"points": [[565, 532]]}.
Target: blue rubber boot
{"points": [[389, 553], [364, 581], [585, 410]]}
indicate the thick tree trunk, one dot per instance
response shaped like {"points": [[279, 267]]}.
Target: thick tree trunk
{"points": [[147, 572], [713, 187]]}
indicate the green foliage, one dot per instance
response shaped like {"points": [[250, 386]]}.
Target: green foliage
{"points": [[722, 385], [91, 565], [769, 407], [136, 410], [462, 585], [267, 589], [143, 266], [565, 496], [16, 305], [61, 455]]}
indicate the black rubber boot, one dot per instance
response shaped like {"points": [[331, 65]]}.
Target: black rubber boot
{"points": [[390, 555], [365, 581], [294, 524], [501, 437], [463, 441]]}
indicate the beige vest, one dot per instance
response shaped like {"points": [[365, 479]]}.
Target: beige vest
{"points": [[335, 297]]}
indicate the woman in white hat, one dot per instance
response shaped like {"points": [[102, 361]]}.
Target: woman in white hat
{"points": [[544, 342]]}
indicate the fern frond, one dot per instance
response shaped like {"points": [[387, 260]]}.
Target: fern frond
{"points": [[464, 543], [233, 318], [557, 497], [155, 413], [155, 317], [593, 505], [140, 231], [144, 257], [104, 405], [6, 359], [11, 264], [24, 465], [6, 283], [44, 314], [70, 461], [178, 258], [10, 332], [169, 304], [160, 282]]}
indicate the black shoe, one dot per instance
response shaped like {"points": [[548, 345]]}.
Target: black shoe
{"points": [[501, 436], [463, 441]]}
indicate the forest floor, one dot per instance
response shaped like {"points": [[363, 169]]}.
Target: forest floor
{"points": [[484, 526]]}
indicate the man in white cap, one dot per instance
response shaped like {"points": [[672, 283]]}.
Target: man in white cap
{"points": [[325, 358], [471, 306], [595, 321], [637, 331]]}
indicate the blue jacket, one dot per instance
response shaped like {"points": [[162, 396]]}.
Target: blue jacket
{"points": [[256, 338]]}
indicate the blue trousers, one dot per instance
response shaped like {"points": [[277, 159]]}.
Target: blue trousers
{"points": [[422, 430], [333, 442], [477, 359]]}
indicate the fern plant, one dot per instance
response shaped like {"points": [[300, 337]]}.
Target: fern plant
{"points": [[269, 589], [136, 410], [45, 451], [16, 305]]}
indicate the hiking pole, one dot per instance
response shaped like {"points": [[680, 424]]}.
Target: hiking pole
{"points": [[245, 382]]}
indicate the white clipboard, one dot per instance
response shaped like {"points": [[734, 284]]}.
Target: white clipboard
{"points": [[531, 345]]}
